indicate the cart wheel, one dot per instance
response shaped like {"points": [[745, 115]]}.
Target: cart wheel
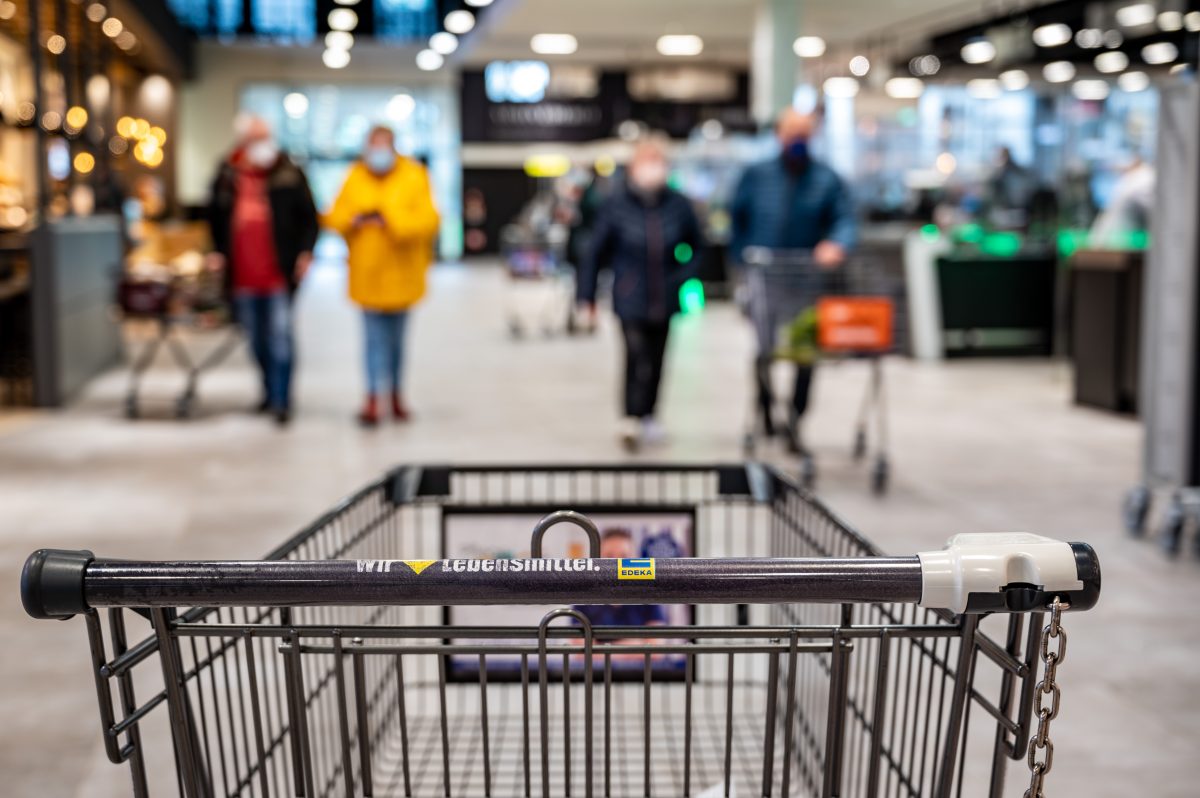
{"points": [[860, 444], [879, 476], [1134, 510], [1171, 529], [808, 471]]}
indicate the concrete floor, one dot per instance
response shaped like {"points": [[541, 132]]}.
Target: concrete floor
{"points": [[978, 446]]}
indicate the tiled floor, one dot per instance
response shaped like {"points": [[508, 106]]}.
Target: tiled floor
{"points": [[981, 446]]}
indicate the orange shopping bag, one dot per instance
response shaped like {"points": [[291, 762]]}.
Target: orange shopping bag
{"points": [[854, 324]]}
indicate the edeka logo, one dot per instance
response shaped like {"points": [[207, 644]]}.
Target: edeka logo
{"points": [[419, 565], [642, 568], [385, 566]]}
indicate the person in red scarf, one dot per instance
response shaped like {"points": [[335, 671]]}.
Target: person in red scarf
{"points": [[264, 227]]}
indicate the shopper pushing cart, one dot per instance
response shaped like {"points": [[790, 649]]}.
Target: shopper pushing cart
{"points": [[792, 202]]}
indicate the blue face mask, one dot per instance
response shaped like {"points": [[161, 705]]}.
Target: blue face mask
{"points": [[795, 154], [379, 160]]}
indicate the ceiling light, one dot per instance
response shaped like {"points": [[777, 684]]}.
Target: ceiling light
{"points": [[400, 107], [681, 44], [1113, 39], [443, 42], [339, 40], [1111, 61], [1091, 89], [984, 88], [112, 27], [429, 60], [924, 65], [860, 65], [84, 162], [56, 44], [946, 163], [96, 12], [904, 88], [979, 51], [295, 105], [1170, 21], [554, 43], [1160, 53], [1089, 38], [479, 3], [1014, 79], [1052, 35], [1178, 68], [77, 117], [809, 47], [342, 19], [1191, 21], [1058, 71], [841, 87], [1136, 15], [346, 2], [459, 22], [126, 41], [1133, 81], [336, 59]]}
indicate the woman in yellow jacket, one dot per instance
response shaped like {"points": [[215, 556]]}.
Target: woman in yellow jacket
{"points": [[386, 214]]}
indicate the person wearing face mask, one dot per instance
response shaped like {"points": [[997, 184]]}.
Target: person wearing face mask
{"points": [[264, 227], [639, 232], [792, 202], [385, 212]]}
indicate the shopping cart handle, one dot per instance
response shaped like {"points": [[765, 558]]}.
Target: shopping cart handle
{"points": [[1009, 573], [52, 583]]}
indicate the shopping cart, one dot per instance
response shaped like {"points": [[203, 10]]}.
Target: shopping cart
{"points": [[175, 311], [802, 313], [541, 284], [813, 664]]}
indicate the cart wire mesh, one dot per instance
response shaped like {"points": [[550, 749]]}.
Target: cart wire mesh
{"points": [[787, 700]]}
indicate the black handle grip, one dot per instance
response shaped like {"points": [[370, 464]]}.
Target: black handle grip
{"points": [[52, 583]]}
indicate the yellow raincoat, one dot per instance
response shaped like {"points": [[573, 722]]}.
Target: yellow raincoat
{"points": [[388, 262]]}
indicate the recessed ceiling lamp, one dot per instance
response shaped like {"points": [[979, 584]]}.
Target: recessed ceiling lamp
{"points": [[979, 51], [342, 19], [339, 40], [1090, 89], [840, 87], [1014, 79], [680, 44], [1160, 53], [1089, 38], [336, 59], [479, 3], [860, 65], [1191, 21], [924, 65], [96, 12], [400, 107], [809, 47], [1058, 71], [984, 88], [429, 60], [295, 105], [1133, 81], [1136, 15], [904, 88], [112, 27], [1170, 21], [1111, 61], [443, 42], [1055, 34], [1113, 39], [554, 44], [460, 22]]}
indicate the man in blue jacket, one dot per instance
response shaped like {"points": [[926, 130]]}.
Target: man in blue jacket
{"points": [[792, 202]]}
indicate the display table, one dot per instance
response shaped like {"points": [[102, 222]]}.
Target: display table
{"points": [[1106, 317]]}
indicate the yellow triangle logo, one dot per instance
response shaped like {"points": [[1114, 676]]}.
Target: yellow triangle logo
{"points": [[418, 566]]}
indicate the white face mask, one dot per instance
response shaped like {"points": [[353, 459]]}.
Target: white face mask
{"points": [[262, 153]]}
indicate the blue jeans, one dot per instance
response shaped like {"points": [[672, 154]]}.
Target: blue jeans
{"points": [[385, 350], [267, 320]]}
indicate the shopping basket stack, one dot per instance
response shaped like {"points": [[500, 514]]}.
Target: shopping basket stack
{"points": [[802, 313], [811, 664]]}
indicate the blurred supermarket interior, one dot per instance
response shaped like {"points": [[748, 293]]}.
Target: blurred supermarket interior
{"points": [[1022, 180]]}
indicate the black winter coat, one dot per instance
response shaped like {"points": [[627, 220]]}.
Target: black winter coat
{"points": [[293, 215], [652, 246]]}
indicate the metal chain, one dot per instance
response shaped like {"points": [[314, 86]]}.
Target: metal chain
{"points": [[1039, 744]]}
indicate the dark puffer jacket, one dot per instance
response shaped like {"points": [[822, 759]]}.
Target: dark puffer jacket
{"points": [[640, 239]]}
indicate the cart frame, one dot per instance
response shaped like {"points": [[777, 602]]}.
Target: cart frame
{"points": [[301, 697]]}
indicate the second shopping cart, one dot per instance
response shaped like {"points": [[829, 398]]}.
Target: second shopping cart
{"points": [[802, 313]]}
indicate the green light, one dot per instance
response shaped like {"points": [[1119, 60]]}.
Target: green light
{"points": [[683, 253], [691, 294], [930, 232], [971, 233], [1000, 245], [1071, 240]]}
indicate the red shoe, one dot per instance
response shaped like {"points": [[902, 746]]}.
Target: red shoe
{"points": [[399, 411], [369, 415]]}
